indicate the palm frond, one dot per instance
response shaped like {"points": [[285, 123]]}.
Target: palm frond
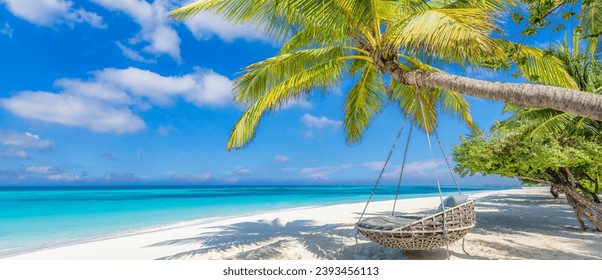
{"points": [[450, 35], [538, 66], [591, 20], [261, 77], [365, 99], [500, 5], [416, 104], [455, 105], [295, 87]]}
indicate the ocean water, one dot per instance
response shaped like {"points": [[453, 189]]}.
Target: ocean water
{"points": [[35, 218]]}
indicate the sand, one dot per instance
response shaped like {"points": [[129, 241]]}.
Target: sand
{"points": [[512, 224]]}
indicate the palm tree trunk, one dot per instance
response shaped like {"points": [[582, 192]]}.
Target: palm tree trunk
{"points": [[576, 102]]}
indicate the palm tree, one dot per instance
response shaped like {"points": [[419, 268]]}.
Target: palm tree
{"points": [[537, 123], [586, 71], [384, 43]]}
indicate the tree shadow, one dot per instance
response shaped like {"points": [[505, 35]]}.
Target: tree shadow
{"points": [[504, 215], [558, 219], [324, 241]]}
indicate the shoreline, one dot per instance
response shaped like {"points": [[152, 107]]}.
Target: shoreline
{"points": [[53, 244], [38, 230], [326, 232]]}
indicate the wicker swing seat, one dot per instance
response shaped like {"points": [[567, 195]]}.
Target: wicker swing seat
{"points": [[454, 218], [421, 234]]}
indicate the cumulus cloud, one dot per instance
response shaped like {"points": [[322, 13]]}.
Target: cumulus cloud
{"points": [[18, 144], [24, 140], [201, 87], [71, 110], [282, 159], [105, 102], [7, 30], [156, 33], [52, 12], [206, 25], [320, 122]]}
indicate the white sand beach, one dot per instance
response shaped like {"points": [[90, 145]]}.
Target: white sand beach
{"points": [[512, 224]]}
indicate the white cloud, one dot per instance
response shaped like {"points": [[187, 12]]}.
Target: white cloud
{"points": [[95, 90], [201, 87], [39, 173], [12, 153], [318, 171], [52, 12], [41, 169], [7, 30], [303, 104], [24, 140], [64, 177], [132, 54], [205, 25], [16, 144], [156, 32], [320, 122], [239, 171], [374, 165], [190, 177], [71, 110], [103, 102], [322, 172], [282, 159]]}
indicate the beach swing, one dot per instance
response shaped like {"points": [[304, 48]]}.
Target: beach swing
{"points": [[454, 218]]}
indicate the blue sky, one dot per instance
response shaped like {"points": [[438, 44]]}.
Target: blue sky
{"points": [[112, 92]]}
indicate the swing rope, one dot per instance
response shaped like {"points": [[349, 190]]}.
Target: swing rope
{"points": [[381, 173], [434, 166], [405, 153], [428, 138], [376, 185], [447, 162]]}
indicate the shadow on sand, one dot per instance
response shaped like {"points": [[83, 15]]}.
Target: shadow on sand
{"points": [[277, 240]]}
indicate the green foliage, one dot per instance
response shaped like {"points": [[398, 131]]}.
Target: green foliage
{"points": [[323, 41], [584, 15], [584, 72], [531, 160]]}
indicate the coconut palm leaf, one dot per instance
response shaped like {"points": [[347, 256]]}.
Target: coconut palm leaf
{"points": [[450, 35], [363, 102], [372, 40], [591, 20], [295, 87]]}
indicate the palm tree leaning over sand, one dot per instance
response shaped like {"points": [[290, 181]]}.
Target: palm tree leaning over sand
{"points": [[384, 44], [586, 71]]}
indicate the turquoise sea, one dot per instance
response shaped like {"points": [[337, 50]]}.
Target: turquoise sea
{"points": [[32, 218]]}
